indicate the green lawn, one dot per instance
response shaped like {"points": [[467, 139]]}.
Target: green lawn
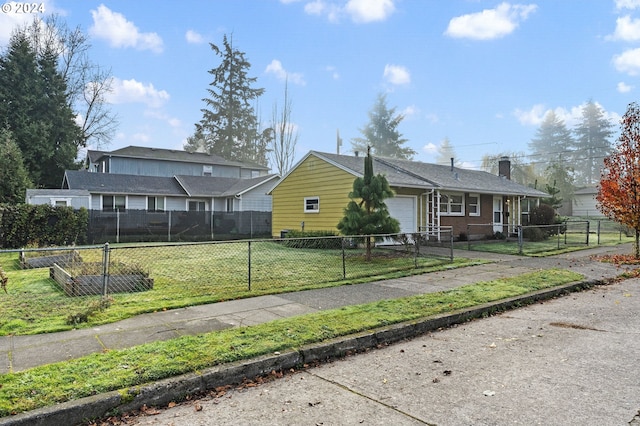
{"points": [[186, 275], [127, 368]]}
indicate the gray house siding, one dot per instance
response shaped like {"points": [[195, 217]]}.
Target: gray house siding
{"points": [[75, 199], [256, 200], [147, 167]]}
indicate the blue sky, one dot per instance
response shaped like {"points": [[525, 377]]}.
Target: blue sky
{"points": [[480, 73]]}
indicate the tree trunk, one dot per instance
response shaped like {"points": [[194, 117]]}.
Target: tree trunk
{"points": [[636, 245]]}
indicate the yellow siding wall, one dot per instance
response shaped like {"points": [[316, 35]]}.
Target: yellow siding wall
{"points": [[312, 178]]}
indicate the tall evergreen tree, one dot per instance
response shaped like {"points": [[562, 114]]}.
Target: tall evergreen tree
{"points": [[592, 143], [34, 107], [14, 179], [446, 152], [552, 139], [381, 133], [367, 213], [229, 126]]}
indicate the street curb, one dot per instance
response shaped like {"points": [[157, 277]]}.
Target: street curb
{"points": [[175, 389]]}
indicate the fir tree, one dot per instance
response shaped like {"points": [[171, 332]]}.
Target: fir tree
{"points": [[367, 214]]}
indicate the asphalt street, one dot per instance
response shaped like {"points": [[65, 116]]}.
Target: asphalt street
{"points": [[567, 361]]}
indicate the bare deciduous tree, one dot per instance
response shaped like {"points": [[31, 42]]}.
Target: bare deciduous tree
{"points": [[88, 84], [284, 136]]}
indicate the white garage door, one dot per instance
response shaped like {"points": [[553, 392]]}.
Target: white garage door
{"points": [[404, 210]]}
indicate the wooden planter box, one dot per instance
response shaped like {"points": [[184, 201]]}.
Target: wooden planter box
{"points": [[85, 285], [47, 261]]}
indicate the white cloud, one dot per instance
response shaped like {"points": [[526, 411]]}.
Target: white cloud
{"points": [[628, 61], [626, 29], [397, 74], [333, 71], [159, 115], [431, 148], [360, 11], [571, 116], [410, 111], [490, 23], [623, 87], [132, 91], [193, 37], [276, 68], [627, 4], [119, 32], [369, 10]]}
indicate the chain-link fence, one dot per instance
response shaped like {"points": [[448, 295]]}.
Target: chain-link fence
{"points": [[126, 280], [123, 226], [532, 239]]}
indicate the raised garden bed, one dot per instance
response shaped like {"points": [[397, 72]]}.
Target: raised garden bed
{"points": [[30, 260], [86, 279]]}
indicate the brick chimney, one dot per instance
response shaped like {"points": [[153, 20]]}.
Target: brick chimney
{"points": [[504, 167]]}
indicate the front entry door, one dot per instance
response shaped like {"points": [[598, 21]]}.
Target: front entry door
{"points": [[497, 214]]}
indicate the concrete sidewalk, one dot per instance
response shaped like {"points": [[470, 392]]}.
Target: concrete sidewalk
{"points": [[22, 352]]}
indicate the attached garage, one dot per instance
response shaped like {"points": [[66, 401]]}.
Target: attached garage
{"points": [[403, 208]]}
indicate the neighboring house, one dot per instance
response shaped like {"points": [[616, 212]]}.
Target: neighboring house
{"points": [[314, 193], [59, 197], [584, 202], [111, 192], [152, 179]]}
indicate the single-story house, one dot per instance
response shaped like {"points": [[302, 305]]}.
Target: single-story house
{"points": [[314, 193], [110, 192]]}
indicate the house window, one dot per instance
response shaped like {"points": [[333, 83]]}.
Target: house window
{"points": [[474, 205], [196, 206], [60, 202], [311, 204], [229, 205], [111, 203], [207, 170], [155, 204], [451, 204], [255, 173]]}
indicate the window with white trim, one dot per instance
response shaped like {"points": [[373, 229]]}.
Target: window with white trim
{"points": [[61, 202], [111, 203], [196, 206], [474, 205], [311, 204], [229, 205], [155, 204], [452, 204]]}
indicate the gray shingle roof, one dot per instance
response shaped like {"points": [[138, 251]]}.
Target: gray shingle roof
{"points": [[406, 173], [192, 186], [106, 183]]}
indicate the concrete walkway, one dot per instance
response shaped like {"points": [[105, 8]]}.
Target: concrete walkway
{"points": [[22, 352]]}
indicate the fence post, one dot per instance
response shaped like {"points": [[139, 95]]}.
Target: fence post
{"points": [[416, 249], [451, 244], [558, 239], [117, 225], [249, 263], [344, 265], [468, 237], [520, 239], [169, 228], [105, 269], [588, 225]]}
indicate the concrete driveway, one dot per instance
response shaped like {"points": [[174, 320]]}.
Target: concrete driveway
{"points": [[569, 361]]}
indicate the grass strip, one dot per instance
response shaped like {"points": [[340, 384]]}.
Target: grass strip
{"points": [[120, 369]]}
